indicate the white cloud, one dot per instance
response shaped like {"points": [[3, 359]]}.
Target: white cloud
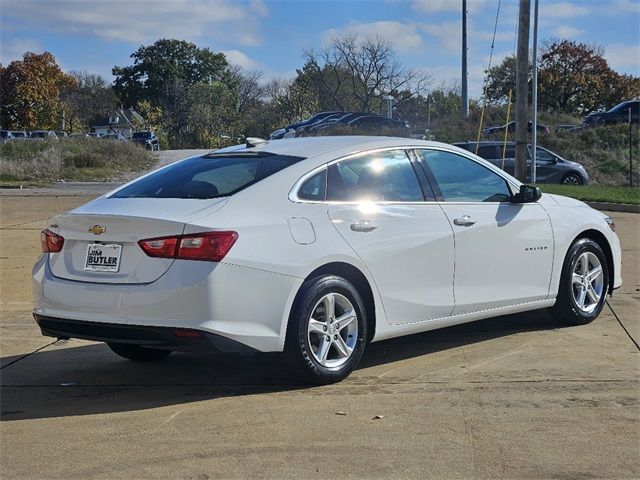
{"points": [[432, 6], [450, 34], [623, 6], [404, 37], [14, 49], [240, 59], [625, 58], [144, 20], [563, 9], [567, 31]]}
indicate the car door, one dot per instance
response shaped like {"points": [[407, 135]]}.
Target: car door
{"points": [[503, 250], [377, 204], [546, 166]]}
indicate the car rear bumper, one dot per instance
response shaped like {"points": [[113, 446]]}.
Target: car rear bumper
{"points": [[244, 305], [181, 339]]}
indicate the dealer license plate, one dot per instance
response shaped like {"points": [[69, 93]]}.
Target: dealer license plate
{"points": [[103, 257]]}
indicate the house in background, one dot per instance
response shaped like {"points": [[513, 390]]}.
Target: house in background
{"points": [[123, 121]]}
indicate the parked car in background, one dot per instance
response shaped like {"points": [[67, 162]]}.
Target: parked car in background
{"points": [[43, 134], [6, 136], [618, 114], [551, 167], [280, 133], [316, 247], [20, 134], [303, 130], [62, 134], [343, 119], [373, 123], [147, 139], [511, 128]]}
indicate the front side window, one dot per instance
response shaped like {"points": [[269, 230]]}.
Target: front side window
{"points": [[383, 176], [462, 180], [489, 152], [209, 176], [543, 155]]}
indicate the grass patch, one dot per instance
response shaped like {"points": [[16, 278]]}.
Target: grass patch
{"points": [[75, 159], [596, 193]]}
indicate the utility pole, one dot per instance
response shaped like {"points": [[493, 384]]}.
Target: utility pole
{"points": [[534, 96], [465, 89], [522, 79]]}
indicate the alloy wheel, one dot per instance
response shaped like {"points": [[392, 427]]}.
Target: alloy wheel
{"points": [[587, 282], [332, 330]]}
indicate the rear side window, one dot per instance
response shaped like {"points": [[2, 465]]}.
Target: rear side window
{"points": [[210, 176], [314, 188], [385, 176]]}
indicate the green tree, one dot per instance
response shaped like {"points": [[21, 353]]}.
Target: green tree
{"points": [[166, 62], [575, 78], [501, 79], [30, 92]]}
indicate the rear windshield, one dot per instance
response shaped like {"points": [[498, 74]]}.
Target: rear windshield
{"points": [[210, 176]]}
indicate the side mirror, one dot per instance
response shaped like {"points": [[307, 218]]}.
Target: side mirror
{"points": [[527, 194]]}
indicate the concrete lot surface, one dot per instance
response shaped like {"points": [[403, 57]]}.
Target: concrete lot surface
{"points": [[513, 397]]}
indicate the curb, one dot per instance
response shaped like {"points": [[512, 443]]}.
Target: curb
{"points": [[615, 207]]}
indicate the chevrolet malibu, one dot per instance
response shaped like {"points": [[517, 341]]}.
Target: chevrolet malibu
{"points": [[315, 247]]}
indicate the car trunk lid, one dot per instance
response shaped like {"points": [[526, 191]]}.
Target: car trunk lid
{"points": [[111, 228]]}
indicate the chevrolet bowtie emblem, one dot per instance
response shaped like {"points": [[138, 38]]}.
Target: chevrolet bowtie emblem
{"points": [[97, 229]]}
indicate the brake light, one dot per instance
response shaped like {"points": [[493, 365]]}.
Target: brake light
{"points": [[159, 247], [51, 242], [208, 246]]}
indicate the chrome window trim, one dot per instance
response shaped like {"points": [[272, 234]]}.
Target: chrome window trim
{"points": [[293, 193]]}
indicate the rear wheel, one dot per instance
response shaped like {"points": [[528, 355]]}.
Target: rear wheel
{"points": [[583, 285], [138, 353], [327, 330]]}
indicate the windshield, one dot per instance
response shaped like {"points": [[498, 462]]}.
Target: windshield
{"points": [[142, 135], [210, 176]]}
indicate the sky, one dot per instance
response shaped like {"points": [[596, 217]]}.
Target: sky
{"points": [[271, 36]]}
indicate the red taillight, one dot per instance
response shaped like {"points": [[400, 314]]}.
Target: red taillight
{"points": [[160, 247], [51, 242], [209, 246]]}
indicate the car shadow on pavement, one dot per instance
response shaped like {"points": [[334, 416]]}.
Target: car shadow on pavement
{"points": [[67, 380]]}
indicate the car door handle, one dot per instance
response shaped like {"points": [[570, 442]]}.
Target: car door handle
{"points": [[364, 226], [464, 221]]}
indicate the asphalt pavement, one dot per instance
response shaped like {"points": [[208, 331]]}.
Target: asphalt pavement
{"points": [[518, 396]]}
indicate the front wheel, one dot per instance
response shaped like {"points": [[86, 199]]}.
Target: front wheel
{"points": [[584, 284], [138, 353], [327, 330], [572, 179]]}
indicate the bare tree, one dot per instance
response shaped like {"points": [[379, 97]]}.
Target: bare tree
{"points": [[358, 73], [247, 87]]}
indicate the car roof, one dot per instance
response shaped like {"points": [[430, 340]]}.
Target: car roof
{"points": [[313, 146]]}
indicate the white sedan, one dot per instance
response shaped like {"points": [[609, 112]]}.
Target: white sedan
{"points": [[315, 247]]}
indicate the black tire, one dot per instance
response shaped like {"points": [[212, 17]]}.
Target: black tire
{"points": [[138, 353], [298, 351], [572, 179], [566, 308]]}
